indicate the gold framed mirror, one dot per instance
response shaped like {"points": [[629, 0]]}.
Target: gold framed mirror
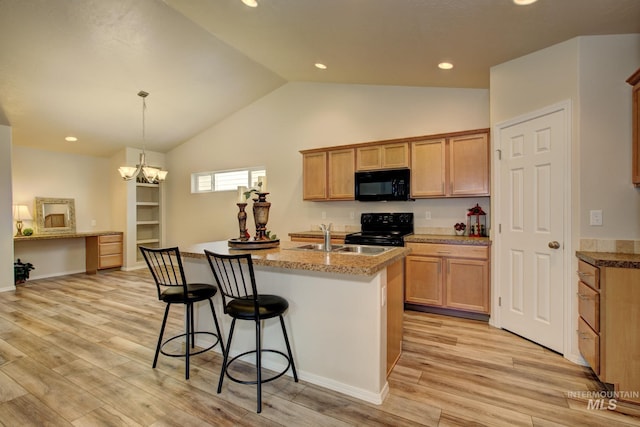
{"points": [[55, 216]]}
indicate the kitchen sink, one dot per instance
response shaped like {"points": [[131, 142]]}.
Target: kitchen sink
{"points": [[344, 249], [365, 250]]}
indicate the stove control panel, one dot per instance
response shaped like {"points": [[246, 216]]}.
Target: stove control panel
{"points": [[405, 218]]}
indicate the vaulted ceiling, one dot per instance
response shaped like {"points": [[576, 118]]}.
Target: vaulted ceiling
{"points": [[74, 67]]}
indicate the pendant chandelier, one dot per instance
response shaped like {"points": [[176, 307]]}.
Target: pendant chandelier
{"points": [[150, 174]]}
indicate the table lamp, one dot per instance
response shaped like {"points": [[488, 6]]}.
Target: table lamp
{"points": [[20, 212]]}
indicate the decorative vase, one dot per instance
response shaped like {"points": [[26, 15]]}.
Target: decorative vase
{"points": [[242, 221], [261, 216], [459, 232]]}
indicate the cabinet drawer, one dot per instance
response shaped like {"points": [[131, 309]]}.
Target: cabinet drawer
{"points": [[589, 274], [589, 345], [109, 238], [589, 306], [109, 261], [110, 249], [450, 251]]}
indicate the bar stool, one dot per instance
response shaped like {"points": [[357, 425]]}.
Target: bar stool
{"points": [[165, 265], [241, 300]]}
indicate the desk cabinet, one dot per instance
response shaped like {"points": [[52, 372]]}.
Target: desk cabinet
{"points": [[103, 251]]}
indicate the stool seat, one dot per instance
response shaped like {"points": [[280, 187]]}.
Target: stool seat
{"points": [[195, 292], [268, 306]]}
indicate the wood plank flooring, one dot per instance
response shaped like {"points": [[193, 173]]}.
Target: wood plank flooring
{"points": [[77, 350]]}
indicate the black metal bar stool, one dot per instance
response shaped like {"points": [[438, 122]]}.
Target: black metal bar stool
{"points": [[165, 265], [235, 277]]}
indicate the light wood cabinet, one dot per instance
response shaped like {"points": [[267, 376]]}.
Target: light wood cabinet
{"points": [[314, 176], [608, 328], [103, 251], [448, 276], [456, 166], [340, 177], [383, 156], [469, 165], [634, 81], [328, 175], [428, 160]]}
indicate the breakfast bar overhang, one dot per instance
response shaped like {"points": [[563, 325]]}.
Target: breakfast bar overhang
{"points": [[342, 318]]}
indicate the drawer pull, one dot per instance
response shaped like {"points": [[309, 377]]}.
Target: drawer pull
{"points": [[585, 297], [583, 274], [443, 252]]}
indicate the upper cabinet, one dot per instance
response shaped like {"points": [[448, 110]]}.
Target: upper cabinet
{"points": [[455, 166], [445, 165], [383, 156], [634, 80], [328, 175]]}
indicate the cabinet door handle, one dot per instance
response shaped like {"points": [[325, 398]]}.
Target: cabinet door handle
{"points": [[583, 274], [443, 252], [584, 297], [584, 336]]}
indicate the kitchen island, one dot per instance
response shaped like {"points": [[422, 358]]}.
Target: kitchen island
{"points": [[344, 319]]}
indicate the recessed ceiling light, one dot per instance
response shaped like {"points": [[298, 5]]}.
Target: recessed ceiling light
{"points": [[250, 3], [445, 65], [71, 139], [524, 2], [320, 65]]}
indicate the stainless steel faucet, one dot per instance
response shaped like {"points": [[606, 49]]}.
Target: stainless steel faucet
{"points": [[326, 231]]}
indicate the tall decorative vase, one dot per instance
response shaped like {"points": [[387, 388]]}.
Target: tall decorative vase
{"points": [[242, 221], [261, 216]]}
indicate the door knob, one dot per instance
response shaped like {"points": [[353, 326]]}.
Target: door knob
{"points": [[554, 245]]}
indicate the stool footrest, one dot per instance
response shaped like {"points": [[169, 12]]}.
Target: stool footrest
{"points": [[275, 376], [167, 341]]}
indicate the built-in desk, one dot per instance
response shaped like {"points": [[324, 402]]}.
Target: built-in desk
{"points": [[103, 249]]}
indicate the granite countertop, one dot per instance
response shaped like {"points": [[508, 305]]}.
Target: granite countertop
{"points": [[64, 235], [447, 239], [610, 259], [287, 258]]}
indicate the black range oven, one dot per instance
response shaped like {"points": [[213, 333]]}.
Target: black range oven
{"points": [[382, 229]]}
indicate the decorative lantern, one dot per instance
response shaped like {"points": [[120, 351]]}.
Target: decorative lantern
{"points": [[477, 222]]}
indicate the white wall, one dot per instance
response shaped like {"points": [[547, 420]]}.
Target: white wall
{"points": [[39, 173], [6, 215], [606, 62], [271, 131]]}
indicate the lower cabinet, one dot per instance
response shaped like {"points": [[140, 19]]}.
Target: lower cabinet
{"points": [[104, 251], [448, 276], [608, 331]]}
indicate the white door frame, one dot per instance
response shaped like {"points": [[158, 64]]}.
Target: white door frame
{"points": [[568, 253]]}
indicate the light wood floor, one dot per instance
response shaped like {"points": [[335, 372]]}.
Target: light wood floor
{"points": [[77, 350]]}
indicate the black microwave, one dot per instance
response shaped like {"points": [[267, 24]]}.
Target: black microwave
{"points": [[387, 185]]}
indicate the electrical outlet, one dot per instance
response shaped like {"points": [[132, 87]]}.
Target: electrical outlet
{"points": [[352, 215], [595, 217], [324, 215], [93, 222], [427, 215]]}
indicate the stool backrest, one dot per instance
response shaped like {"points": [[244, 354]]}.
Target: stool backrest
{"points": [[234, 275], [165, 265]]}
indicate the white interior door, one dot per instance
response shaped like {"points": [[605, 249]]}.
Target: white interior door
{"points": [[531, 263]]}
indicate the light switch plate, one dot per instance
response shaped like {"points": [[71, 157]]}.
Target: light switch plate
{"points": [[595, 217]]}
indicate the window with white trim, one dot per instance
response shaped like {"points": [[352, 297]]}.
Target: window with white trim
{"points": [[227, 180]]}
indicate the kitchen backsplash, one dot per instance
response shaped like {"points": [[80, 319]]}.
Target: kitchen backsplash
{"points": [[604, 245]]}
